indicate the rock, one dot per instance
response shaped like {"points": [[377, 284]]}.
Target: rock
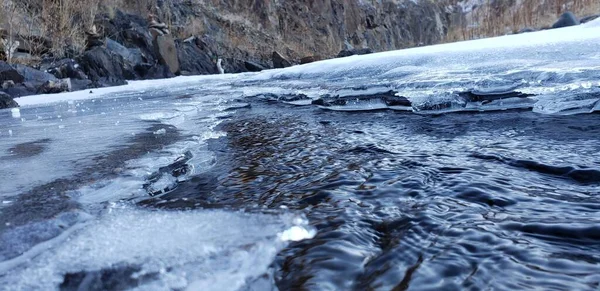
{"points": [[279, 61], [234, 66], [351, 52], [158, 71], [8, 84], [105, 68], [589, 18], [565, 20], [155, 33], [8, 72], [525, 30], [310, 59], [34, 78], [93, 38], [81, 84], [52, 87], [167, 52], [133, 55], [65, 68], [20, 90], [130, 31], [254, 67], [6, 101], [193, 60]]}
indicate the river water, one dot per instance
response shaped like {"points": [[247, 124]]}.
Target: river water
{"points": [[439, 168]]}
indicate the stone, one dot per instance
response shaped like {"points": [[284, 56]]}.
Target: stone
{"points": [[254, 67], [20, 90], [93, 38], [167, 52], [65, 68], [8, 84], [6, 101], [8, 72], [310, 59], [133, 55], [105, 68], [52, 87], [156, 33], [589, 18], [34, 78], [526, 30], [565, 20], [279, 61], [193, 60], [352, 52]]}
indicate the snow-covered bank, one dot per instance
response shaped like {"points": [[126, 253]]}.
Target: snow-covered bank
{"points": [[132, 86], [541, 64]]}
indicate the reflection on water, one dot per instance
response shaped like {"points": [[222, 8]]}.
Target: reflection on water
{"points": [[454, 202]]}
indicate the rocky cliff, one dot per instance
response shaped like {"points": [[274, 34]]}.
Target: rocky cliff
{"points": [[296, 29], [105, 42]]}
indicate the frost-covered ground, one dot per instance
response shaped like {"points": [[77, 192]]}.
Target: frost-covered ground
{"points": [[73, 165]]}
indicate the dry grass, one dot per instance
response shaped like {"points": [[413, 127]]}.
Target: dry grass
{"points": [[66, 22], [49, 26], [499, 17]]}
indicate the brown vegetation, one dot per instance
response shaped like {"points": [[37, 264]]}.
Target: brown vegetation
{"points": [[499, 17], [58, 26]]}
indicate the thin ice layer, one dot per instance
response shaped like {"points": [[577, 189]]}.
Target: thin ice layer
{"points": [[202, 249]]}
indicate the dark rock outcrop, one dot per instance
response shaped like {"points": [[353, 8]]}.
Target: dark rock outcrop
{"points": [[234, 66], [6, 101], [167, 52], [310, 59], [34, 78], [9, 73], [193, 60], [65, 68], [565, 20], [52, 87], [279, 61], [589, 18], [93, 38], [526, 30], [254, 67], [132, 55], [106, 68], [351, 52]]}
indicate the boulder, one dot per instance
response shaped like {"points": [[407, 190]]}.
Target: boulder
{"points": [[93, 38], [131, 31], [8, 84], [310, 59], [565, 20], [65, 68], [81, 84], [57, 86], [588, 18], [19, 90], [351, 52], [34, 78], [279, 61], [6, 101], [8, 72], [525, 30], [254, 67], [133, 55], [105, 68], [193, 60], [158, 71], [167, 52]]}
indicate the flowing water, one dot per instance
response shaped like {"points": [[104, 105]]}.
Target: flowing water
{"points": [[432, 169]]}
